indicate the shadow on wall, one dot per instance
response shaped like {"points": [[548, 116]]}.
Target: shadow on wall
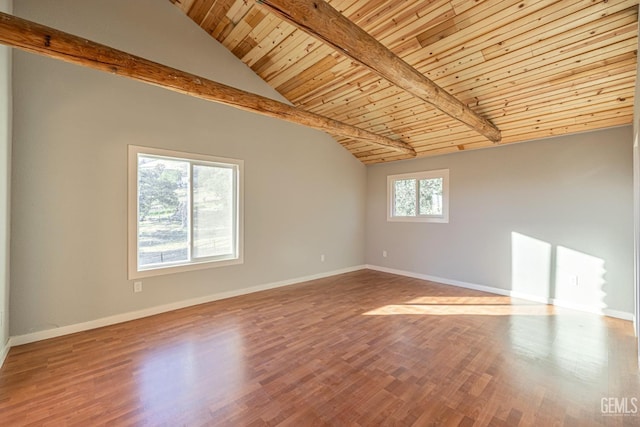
{"points": [[557, 273]]}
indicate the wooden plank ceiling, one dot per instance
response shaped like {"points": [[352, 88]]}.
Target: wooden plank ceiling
{"points": [[534, 68]]}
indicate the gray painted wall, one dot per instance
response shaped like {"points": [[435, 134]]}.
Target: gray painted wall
{"points": [[304, 194], [523, 217], [5, 171]]}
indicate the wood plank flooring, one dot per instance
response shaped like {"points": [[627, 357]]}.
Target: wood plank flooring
{"points": [[359, 349]]}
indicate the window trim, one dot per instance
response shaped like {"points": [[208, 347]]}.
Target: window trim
{"points": [[439, 173], [132, 213]]}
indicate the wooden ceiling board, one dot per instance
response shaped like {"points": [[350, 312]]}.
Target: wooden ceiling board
{"points": [[534, 68]]}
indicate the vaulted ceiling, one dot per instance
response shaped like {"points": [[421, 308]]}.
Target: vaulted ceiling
{"points": [[533, 68]]}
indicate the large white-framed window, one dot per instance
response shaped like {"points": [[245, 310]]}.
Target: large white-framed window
{"points": [[185, 211], [418, 197]]}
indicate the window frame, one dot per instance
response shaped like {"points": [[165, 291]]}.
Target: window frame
{"points": [[134, 271], [432, 174]]}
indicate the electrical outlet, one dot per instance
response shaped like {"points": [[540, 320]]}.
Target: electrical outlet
{"points": [[137, 286], [384, 254], [322, 258], [573, 280]]}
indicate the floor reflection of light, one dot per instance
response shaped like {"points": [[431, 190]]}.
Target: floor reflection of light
{"points": [[468, 300], [167, 369], [460, 309], [174, 377], [570, 342], [562, 341]]}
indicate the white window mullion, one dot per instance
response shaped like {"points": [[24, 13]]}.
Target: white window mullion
{"points": [[417, 197], [190, 213], [393, 196], [236, 211]]}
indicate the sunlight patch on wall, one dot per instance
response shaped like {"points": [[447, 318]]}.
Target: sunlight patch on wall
{"points": [[530, 265], [579, 278], [557, 274], [540, 272]]}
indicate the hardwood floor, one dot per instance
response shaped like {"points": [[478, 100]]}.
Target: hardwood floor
{"points": [[364, 348]]}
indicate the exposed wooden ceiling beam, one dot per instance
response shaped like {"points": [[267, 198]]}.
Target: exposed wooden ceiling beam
{"points": [[320, 20], [35, 38]]}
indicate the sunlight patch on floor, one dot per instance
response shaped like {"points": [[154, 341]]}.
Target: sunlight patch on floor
{"points": [[461, 309]]}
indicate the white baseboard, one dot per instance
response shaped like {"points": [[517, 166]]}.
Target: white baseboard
{"points": [[506, 292], [125, 317], [4, 351]]}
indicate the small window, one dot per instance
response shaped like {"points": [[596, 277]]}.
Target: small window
{"points": [[185, 212], [421, 196]]}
